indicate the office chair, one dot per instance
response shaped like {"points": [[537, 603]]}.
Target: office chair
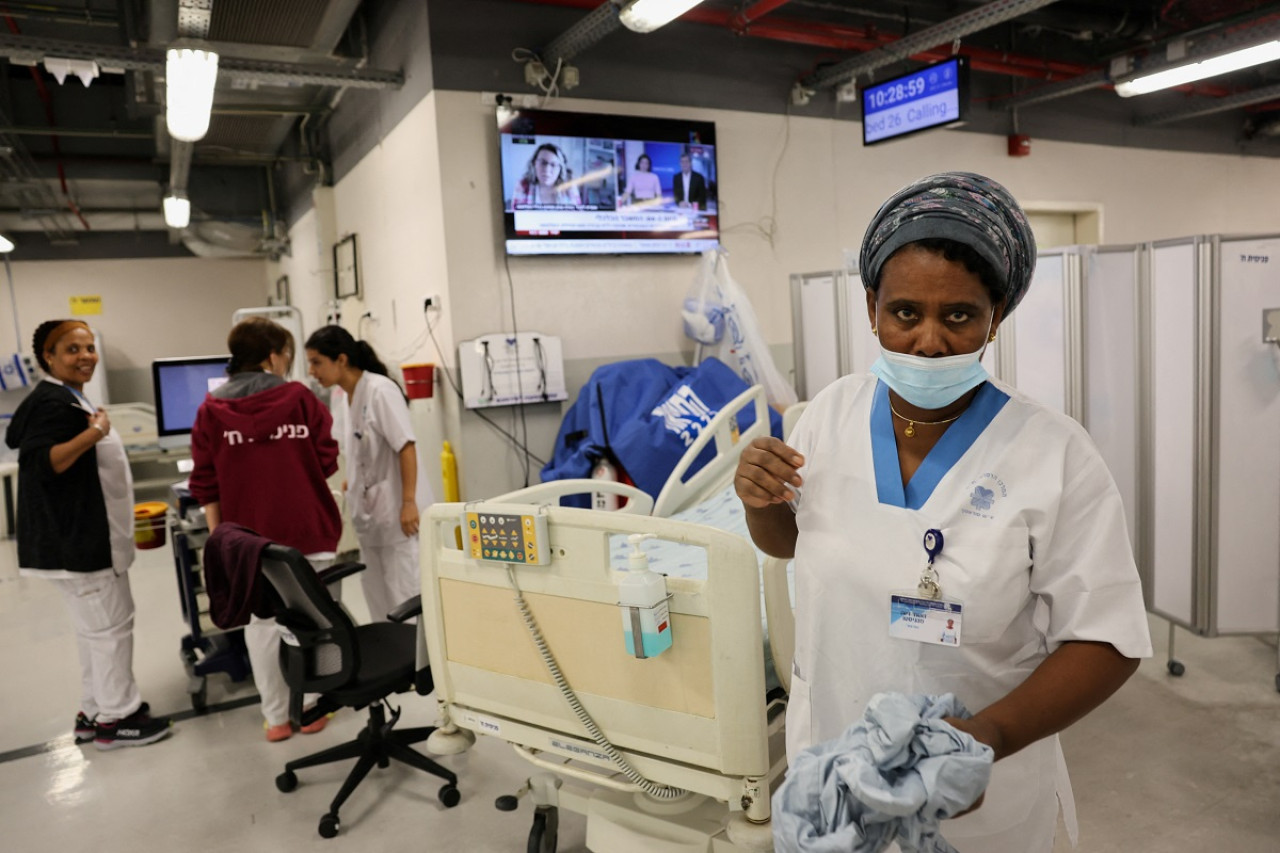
{"points": [[350, 666]]}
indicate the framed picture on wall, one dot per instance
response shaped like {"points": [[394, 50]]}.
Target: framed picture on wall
{"points": [[346, 268]]}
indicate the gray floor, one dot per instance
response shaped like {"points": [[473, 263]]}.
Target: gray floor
{"points": [[1168, 764]]}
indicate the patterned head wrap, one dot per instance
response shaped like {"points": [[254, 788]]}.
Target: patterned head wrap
{"points": [[960, 206]]}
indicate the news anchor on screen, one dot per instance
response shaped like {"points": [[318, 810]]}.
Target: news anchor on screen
{"points": [[547, 179], [689, 187]]}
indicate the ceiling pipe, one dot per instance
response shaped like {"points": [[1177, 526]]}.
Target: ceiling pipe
{"points": [[47, 100], [745, 16], [962, 25], [835, 37], [25, 49], [598, 23], [1230, 102], [1259, 30]]}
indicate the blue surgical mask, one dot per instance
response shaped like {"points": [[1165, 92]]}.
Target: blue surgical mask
{"points": [[931, 383]]}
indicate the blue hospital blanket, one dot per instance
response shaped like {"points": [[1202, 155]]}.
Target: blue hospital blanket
{"points": [[722, 511]]}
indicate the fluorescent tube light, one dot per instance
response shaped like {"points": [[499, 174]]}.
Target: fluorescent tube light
{"points": [[189, 79], [645, 16], [177, 211], [1211, 67], [6, 245]]}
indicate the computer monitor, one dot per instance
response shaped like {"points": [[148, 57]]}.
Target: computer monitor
{"points": [[181, 384]]}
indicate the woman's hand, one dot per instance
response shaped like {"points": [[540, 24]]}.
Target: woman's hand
{"points": [[410, 517], [100, 422], [767, 471], [983, 732]]}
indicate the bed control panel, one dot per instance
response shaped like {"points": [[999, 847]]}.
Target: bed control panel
{"points": [[506, 533]]}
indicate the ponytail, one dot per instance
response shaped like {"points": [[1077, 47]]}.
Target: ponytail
{"points": [[367, 359]]}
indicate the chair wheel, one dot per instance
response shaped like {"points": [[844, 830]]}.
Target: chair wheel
{"points": [[450, 796], [329, 826], [384, 763], [1176, 668], [286, 781]]}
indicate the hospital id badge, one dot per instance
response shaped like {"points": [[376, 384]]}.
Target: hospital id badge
{"points": [[925, 620]]}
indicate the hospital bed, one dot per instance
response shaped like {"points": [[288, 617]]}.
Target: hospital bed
{"points": [[539, 723]]}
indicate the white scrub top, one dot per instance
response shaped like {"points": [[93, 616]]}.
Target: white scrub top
{"points": [[116, 478], [1034, 546], [376, 427]]}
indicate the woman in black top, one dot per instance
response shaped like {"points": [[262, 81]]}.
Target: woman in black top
{"points": [[75, 529]]}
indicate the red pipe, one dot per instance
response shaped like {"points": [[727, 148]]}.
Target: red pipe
{"points": [[47, 100], [794, 31], [742, 20]]}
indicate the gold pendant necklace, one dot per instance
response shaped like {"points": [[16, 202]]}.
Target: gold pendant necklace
{"points": [[910, 431]]}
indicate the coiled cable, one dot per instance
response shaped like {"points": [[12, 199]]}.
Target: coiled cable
{"points": [[653, 789]]}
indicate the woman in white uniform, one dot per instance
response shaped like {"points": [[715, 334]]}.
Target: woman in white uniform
{"points": [[75, 529], [931, 482], [385, 495]]}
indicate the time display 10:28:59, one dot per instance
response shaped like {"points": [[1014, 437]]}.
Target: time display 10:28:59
{"points": [[899, 91]]}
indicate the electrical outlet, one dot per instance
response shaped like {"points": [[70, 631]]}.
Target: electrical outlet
{"points": [[430, 301]]}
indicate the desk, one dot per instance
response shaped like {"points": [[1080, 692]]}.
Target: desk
{"points": [[141, 454]]}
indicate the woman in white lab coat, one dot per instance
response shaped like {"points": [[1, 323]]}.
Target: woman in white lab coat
{"points": [[1029, 553], [385, 494]]}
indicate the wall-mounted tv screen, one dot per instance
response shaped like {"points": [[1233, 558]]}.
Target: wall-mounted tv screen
{"points": [[934, 96], [580, 184]]}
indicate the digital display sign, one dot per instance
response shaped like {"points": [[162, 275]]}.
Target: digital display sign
{"points": [[931, 97]]}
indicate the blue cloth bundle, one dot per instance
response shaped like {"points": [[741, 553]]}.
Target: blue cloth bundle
{"points": [[892, 776]]}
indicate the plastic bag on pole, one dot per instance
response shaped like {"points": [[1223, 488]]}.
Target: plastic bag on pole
{"points": [[703, 312], [742, 346]]}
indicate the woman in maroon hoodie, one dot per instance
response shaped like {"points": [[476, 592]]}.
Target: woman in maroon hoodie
{"points": [[262, 450]]}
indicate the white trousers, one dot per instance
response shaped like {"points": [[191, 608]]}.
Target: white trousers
{"points": [[101, 607], [262, 638], [391, 576]]}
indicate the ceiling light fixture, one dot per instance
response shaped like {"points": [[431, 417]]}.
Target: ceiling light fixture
{"points": [[6, 245], [177, 211], [1211, 67], [645, 16], [190, 77]]}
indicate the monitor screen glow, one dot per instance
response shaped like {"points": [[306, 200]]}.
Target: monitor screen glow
{"points": [[180, 385], [934, 96], [581, 184]]}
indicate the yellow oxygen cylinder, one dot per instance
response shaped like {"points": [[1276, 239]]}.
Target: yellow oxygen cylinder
{"points": [[449, 473], [449, 476]]}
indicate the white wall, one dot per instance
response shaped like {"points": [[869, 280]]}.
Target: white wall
{"points": [[151, 308], [426, 207]]}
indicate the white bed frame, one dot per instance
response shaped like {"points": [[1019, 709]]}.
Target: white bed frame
{"points": [[693, 718], [678, 494]]}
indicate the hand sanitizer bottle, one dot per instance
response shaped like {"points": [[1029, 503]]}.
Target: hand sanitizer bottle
{"points": [[642, 595]]}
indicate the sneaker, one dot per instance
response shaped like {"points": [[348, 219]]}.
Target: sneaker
{"points": [[275, 734], [85, 729], [137, 729]]}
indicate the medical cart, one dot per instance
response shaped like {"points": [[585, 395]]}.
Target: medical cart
{"points": [[206, 648]]}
